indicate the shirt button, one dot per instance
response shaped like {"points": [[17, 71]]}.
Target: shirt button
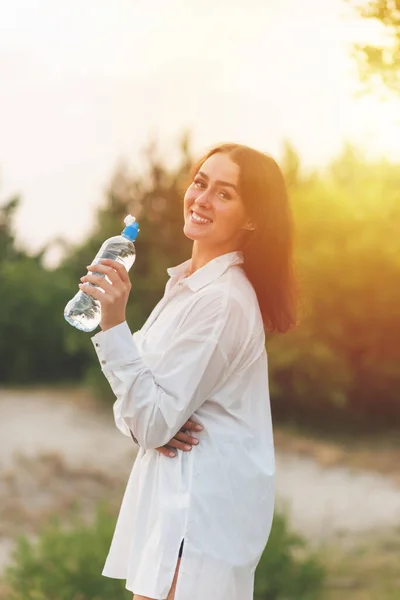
{"points": [[103, 362], [96, 344]]}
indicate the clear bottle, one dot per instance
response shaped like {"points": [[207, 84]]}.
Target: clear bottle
{"points": [[83, 311]]}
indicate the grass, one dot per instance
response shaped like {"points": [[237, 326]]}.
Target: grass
{"points": [[363, 568]]}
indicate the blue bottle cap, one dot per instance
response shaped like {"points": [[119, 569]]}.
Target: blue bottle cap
{"points": [[132, 228]]}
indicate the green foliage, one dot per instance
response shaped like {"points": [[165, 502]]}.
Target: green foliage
{"points": [[282, 574], [380, 61], [342, 364], [31, 340], [31, 300], [36, 344], [8, 251], [65, 563]]}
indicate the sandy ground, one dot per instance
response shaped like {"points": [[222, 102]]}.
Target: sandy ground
{"points": [[57, 448]]}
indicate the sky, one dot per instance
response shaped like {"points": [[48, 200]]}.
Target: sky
{"points": [[86, 84]]}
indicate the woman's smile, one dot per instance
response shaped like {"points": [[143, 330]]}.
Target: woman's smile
{"points": [[199, 219]]}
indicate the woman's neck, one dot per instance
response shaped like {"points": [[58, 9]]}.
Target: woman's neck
{"points": [[202, 255]]}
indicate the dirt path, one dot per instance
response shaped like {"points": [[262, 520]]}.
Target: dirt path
{"points": [[56, 448]]}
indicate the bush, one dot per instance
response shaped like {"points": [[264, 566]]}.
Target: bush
{"points": [[282, 574], [66, 563]]}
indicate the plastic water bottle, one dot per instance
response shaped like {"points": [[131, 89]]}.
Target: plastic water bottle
{"points": [[84, 311]]}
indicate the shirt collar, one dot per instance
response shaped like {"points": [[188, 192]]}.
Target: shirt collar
{"points": [[209, 272]]}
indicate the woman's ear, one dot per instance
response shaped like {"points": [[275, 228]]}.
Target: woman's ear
{"points": [[249, 226]]}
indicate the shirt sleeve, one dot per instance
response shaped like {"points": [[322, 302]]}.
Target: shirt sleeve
{"points": [[152, 405]]}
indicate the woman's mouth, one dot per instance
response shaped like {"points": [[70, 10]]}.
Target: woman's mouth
{"points": [[198, 219]]}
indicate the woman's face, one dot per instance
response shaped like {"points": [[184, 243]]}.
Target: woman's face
{"points": [[213, 210]]}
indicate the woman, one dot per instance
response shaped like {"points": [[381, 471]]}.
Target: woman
{"points": [[194, 527]]}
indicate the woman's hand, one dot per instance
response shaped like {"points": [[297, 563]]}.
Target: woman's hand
{"points": [[181, 440], [114, 297]]}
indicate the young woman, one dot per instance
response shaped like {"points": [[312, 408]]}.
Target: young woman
{"points": [[193, 527]]}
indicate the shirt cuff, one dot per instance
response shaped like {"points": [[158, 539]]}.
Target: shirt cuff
{"points": [[115, 346]]}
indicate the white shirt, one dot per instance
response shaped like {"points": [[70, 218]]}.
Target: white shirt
{"points": [[201, 353]]}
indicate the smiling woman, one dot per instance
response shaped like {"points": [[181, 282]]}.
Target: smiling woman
{"points": [[214, 211], [195, 526], [242, 194]]}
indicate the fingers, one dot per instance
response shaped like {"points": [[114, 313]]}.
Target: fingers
{"points": [[107, 278], [99, 281], [95, 292], [109, 272], [182, 440], [192, 425], [106, 265], [164, 450], [105, 272], [182, 445], [186, 438]]}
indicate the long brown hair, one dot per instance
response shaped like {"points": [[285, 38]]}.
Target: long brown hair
{"points": [[268, 251]]}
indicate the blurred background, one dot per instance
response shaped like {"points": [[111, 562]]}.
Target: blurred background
{"points": [[103, 107]]}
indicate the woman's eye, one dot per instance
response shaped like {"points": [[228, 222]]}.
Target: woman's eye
{"points": [[225, 195], [199, 183]]}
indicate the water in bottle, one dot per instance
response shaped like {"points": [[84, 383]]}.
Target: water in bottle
{"points": [[84, 311]]}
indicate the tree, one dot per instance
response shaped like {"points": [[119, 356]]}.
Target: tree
{"points": [[343, 361], [8, 250], [340, 366], [380, 62], [31, 305]]}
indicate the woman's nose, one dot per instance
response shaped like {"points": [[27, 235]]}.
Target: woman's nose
{"points": [[203, 199]]}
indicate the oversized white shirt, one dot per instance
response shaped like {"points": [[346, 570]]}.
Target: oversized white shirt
{"points": [[201, 354]]}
